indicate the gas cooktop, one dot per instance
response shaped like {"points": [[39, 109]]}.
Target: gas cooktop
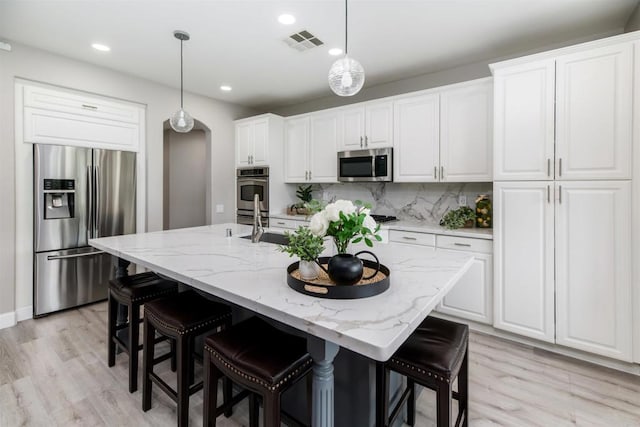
{"points": [[384, 218]]}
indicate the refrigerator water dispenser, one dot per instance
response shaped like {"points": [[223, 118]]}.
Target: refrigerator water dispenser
{"points": [[59, 198]]}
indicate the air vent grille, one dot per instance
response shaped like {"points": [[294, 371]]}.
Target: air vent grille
{"points": [[303, 40]]}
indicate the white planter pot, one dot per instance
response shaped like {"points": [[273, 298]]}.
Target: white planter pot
{"points": [[309, 270]]}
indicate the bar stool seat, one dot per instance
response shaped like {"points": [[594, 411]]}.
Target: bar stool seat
{"points": [[182, 317], [260, 358], [133, 292], [434, 355]]}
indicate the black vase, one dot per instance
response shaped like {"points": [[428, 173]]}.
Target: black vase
{"points": [[347, 269]]}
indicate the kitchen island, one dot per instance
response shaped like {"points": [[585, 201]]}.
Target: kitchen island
{"points": [[253, 276]]}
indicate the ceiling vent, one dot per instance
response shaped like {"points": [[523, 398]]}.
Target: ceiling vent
{"points": [[303, 40]]}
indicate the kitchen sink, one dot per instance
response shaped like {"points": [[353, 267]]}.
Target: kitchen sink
{"points": [[276, 238]]}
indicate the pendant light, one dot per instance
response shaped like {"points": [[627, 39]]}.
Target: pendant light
{"points": [[181, 121], [346, 75]]}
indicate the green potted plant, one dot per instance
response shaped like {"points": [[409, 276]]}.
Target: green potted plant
{"points": [[307, 247], [464, 216], [305, 197]]}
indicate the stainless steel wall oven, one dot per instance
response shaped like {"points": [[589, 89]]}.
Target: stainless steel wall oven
{"points": [[251, 181]]}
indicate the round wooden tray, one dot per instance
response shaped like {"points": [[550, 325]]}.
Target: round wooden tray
{"points": [[332, 291]]}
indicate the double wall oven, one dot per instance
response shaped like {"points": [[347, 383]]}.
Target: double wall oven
{"points": [[251, 181]]}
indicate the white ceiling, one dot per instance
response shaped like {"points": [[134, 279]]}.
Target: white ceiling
{"points": [[239, 42]]}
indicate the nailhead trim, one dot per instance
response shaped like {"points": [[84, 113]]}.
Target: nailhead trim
{"points": [[145, 297], [420, 371], [263, 383], [165, 325]]}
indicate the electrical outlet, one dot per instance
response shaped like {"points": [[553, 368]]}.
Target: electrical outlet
{"points": [[462, 200], [219, 208]]}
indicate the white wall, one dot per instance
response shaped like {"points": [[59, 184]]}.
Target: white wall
{"points": [[633, 24], [33, 64]]}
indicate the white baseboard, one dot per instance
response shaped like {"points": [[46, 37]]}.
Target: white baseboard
{"points": [[7, 320], [24, 313]]}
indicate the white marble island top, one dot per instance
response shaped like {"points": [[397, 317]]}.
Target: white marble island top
{"points": [[253, 276]]}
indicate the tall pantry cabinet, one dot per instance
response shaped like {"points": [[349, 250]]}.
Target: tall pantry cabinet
{"points": [[563, 197]]}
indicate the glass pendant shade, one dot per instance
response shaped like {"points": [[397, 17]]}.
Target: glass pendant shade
{"points": [[181, 121], [346, 76]]}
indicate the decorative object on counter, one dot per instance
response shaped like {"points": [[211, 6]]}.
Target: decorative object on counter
{"points": [[305, 196], [308, 248], [483, 211], [463, 217], [348, 269], [347, 222], [181, 121], [346, 75], [324, 287]]}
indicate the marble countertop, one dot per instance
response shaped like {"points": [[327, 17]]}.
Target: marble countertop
{"points": [[417, 226], [254, 276]]}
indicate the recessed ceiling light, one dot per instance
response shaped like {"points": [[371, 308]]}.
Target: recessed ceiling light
{"points": [[335, 51], [225, 88], [101, 47], [286, 19]]}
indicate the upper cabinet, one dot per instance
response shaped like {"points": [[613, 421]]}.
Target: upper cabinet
{"points": [[444, 136], [252, 142], [367, 126], [568, 117]]}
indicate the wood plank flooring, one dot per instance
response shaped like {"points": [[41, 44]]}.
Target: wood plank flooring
{"points": [[53, 371]]}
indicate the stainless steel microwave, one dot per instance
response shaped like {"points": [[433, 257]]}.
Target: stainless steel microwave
{"points": [[366, 165]]}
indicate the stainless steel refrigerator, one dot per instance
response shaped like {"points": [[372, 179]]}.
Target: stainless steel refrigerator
{"points": [[79, 194]]}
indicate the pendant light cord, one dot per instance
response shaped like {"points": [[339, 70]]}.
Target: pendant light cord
{"points": [[346, 26], [181, 88]]}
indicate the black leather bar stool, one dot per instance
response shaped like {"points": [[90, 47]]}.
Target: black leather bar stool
{"points": [[133, 292], [182, 317], [433, 356], [258, 357]]}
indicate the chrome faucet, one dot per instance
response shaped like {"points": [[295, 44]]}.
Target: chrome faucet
{"points": [[257, 231]]}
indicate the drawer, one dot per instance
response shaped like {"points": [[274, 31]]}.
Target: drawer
{"points": [[290, 224], [424, 239], [465, 244], [76, 103]]}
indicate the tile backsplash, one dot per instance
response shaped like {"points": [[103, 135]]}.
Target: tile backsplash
{"points": [[407, 201]]}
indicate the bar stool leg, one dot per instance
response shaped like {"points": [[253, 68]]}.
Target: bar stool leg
{"points": [[147, 363], [184, 358], [111, 330], [411, 402], [227, 395], [174, 356], [463, 389], [271, 403], [210, 397], [254, 410], [382, 395], [444, 396], [134, 341]]}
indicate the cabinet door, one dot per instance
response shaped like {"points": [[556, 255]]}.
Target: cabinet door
{"points": [[416, 135], [323, 147], [353, 129], [466, 146], [260, 143], [594, 114], [378, 125], [296, 150], [244, 145], [524, 122], [593, 267], [523, 258], [472, 296]]}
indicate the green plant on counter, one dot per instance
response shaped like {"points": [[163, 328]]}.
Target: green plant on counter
{"points": [[303, 244], [315, 206], [304, 194], [457, 218]]}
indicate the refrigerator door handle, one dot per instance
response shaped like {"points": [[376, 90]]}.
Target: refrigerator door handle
{"points": [[54, 257], [96, 197], [89, 203]]}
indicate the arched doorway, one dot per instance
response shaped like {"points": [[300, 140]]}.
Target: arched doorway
{"points": [[186, 177]]}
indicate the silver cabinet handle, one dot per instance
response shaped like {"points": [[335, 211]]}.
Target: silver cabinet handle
{"points": [[548, 194], [89, 107], [252, 159], [560, 167], [441, 172], [360, 142], [55, 257], [560, 194], [435, 172], [366, 141], [309, 175], [409, 238], [306, 175], [548, 167], [280, 223], [462, 244], [248, 160]]}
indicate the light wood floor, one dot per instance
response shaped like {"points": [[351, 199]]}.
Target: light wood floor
{"points": [[53, 371]]}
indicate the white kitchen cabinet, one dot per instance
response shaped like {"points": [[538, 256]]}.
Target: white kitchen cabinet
{"points": [[416, 156], [368, 125], [593, 267], [524, 258], [524, 121], [466, 139], [311, 147], [252, 143], [594, 97]]}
